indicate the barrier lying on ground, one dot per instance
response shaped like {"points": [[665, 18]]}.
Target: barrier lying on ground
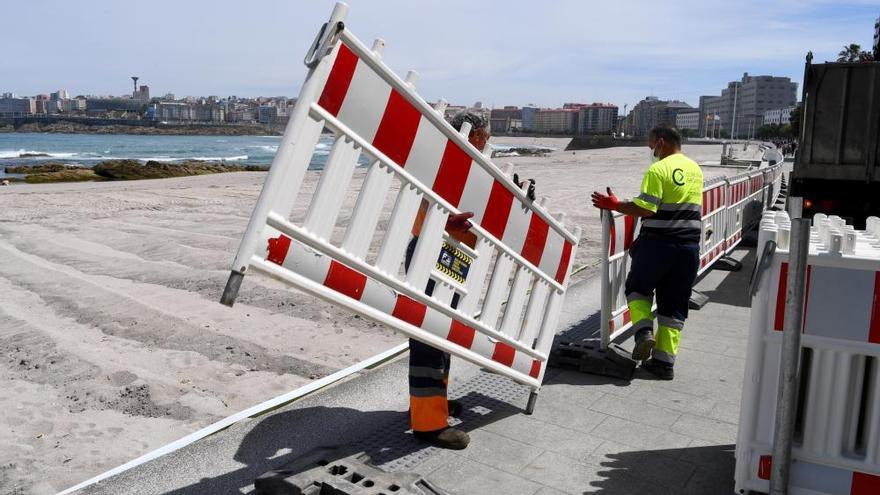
{"points": [[837, 428], [417, 160], [724, 211]]}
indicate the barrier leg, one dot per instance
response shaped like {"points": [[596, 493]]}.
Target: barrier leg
{"points": [[533, 399], [727, 264], [230, 292], [698, 299]]}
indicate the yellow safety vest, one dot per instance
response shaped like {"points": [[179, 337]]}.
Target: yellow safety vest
{"points": [[672, 188]]}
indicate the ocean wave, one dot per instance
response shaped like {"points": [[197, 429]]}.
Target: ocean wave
{"points": [[169, 159], [19, 153]]}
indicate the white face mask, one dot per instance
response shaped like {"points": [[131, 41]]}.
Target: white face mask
{"points": [[654, 158]]}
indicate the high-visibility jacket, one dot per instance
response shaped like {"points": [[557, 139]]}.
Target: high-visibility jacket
{"points": [[672, 188]]}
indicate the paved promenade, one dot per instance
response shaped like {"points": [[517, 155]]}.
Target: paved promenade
{"points": [[588, 434]]}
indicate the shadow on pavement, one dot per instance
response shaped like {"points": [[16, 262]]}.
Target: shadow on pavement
{"points": [[687, 471], [383, 435], [734, 289]]}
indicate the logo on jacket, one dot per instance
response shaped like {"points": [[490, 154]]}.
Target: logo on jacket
{"points": [[678, 177]]}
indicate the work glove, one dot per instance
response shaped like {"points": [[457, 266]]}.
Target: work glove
{"points": [[530, 193], [609, 202], [459, 223]]}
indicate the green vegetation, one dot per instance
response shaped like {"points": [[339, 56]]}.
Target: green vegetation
{"points": [[854, 53], [69, 175]]}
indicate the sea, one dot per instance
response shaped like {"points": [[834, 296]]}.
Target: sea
{"points": [[89, 149]]}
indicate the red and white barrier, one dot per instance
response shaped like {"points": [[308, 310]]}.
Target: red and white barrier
{"points": [[618, 233], [837, 432], [715, 217], [513, 281], [724, 203]]}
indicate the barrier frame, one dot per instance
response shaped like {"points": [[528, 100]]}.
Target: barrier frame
{"points": [[533, 291]]}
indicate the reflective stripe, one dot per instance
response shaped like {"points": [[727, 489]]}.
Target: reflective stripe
{"points": [[636, 296], [681, 207], [649, 198], [662, 356], [427, 392], [670, 322], [426, 372], [644, 323], [671, 224]]}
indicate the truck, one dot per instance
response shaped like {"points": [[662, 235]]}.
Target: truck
{"points": [[836, 168]]}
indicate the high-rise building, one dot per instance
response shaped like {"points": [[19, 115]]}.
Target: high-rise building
{"points": [[17, 105], [557, 121], [61, 94], [687, 120], [505, 119], [528, 117], [652, 112], [746, 101], [779, 116], [597, 118], [142, 94]]}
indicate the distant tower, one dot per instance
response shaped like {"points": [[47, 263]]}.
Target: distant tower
{"points": [[135, 80]]}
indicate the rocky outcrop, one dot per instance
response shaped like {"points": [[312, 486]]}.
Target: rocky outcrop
{"points": [[123, 170], [135, 170]]}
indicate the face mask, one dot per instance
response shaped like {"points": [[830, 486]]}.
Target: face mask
{"points": [[654, 158]]}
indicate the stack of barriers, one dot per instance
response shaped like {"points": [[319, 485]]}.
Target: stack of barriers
{"points": [[836, 447], [725, 204]]}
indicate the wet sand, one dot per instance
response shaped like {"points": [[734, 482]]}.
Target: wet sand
{"points": [[113, 338]]}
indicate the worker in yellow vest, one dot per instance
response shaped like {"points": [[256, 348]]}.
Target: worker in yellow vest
{"points": [[666, 254]]}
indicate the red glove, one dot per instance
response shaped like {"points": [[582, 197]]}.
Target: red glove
{"points": [[609, 202], [458, 223]]}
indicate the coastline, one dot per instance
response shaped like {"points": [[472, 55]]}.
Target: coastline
{"points": [[146, 130]]}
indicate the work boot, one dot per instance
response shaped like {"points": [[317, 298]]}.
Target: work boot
{"points": [[644, 344], [447, 438], [659, 369], [455, 408]]}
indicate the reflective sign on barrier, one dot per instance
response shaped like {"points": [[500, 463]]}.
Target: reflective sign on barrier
{"points": [[495, 303], [837, 431]]}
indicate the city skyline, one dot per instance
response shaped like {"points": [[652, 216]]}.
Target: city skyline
{"points": [[515, 55]]}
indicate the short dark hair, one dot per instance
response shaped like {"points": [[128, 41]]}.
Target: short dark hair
{"points": [[668, 134], [476, 121]]}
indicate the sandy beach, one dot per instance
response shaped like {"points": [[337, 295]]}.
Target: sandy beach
{"points": [[113, 338]]}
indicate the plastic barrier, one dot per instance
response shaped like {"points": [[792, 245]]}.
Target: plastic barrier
{"points": [[522, 255], [837, 428], [714, 219], [618, 233], [724, 203]]}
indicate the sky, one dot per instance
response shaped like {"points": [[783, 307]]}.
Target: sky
{"points": [[499, 52]]}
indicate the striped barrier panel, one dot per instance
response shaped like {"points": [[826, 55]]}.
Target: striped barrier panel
{"points": [[618, 233], [836, 446], [353, 256], [713, 243]]}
